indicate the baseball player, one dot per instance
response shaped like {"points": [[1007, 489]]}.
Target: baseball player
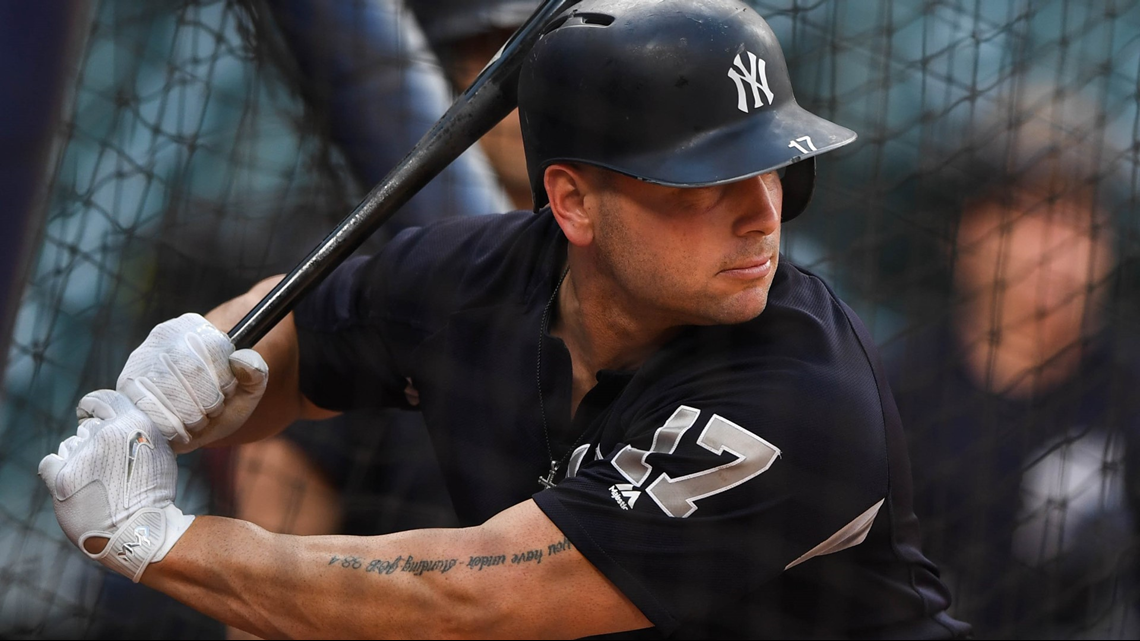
{"points": [[647, 420]]}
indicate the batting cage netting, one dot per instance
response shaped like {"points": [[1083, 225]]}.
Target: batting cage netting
{"points": [[984, 226]]}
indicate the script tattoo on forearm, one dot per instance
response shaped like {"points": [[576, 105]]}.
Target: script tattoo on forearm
{"points": [[560, 546], [401, 563], [535, 556], [417, 566]]}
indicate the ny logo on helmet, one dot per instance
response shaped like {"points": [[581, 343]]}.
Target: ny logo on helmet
{"points": [[755, 76]]}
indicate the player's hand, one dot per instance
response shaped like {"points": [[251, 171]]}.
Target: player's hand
{"points": [[115, 479], [189, 380]]}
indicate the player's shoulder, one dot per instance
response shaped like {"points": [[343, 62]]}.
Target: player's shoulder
{"points": [[798, 379], [805, 334], [802, 306], [473, 244], [802, 366], [464, 262]]}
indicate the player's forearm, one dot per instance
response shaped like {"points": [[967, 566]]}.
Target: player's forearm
{"points": [[406, 585], [283, 402]]}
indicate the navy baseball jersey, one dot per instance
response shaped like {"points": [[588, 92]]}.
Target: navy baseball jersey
{"points": [[746, 481]]}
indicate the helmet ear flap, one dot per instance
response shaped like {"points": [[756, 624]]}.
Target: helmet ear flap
{"points": [[799, 184]]}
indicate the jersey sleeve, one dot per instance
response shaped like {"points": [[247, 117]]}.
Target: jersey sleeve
{"points": [[358, 331], [344, 355], [727, 478]]}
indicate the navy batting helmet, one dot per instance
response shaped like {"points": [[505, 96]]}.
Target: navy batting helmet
{"points": [[683, 93]]}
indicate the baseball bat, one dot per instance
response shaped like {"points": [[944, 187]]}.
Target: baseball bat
{"points": [[488, 100]]}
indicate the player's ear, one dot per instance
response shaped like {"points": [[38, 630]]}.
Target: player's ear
{"points": [[568, 188]]}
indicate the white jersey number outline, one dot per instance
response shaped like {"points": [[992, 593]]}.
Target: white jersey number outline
{"points": [[677, 497]]}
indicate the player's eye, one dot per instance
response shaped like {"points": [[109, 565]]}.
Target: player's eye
{"points": [[704, 198]]}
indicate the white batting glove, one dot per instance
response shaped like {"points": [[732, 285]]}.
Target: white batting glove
{"points": [[116, 479], [189, 380]]}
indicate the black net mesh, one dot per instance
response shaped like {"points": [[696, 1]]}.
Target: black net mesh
{"points": [[983, 226]]}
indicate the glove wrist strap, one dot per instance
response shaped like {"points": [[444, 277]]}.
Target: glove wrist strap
{"points": [[144, 539]]}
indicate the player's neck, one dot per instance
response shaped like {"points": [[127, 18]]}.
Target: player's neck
{"points": [[599, 334], [599, 329]]}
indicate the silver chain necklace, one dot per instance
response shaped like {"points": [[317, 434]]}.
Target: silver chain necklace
{"points": [[548, 481]]}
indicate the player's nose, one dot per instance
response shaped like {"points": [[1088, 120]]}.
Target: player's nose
{"points": [[759, 202]]}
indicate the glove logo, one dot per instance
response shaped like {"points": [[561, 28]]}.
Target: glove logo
{"points": [[134, 442], [756, 76], [142, 536]]}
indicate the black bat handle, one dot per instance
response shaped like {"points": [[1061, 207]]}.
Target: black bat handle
{"points": [[488, 100]]}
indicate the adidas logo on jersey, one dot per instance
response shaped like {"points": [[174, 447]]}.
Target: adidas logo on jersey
{"points": [[624, 495]]}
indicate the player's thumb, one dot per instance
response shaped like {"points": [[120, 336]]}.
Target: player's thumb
{"points": [[49, 471], [250, 370], [102, 404]]}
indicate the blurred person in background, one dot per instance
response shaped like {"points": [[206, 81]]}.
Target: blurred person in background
{"points": [[466, 34], [1020, 406], [355, 480]]}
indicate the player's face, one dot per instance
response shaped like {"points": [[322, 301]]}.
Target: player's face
{"points": [[703, 255]]}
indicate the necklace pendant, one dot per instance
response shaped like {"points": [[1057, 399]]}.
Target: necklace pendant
{"points": [[547, 481]]}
